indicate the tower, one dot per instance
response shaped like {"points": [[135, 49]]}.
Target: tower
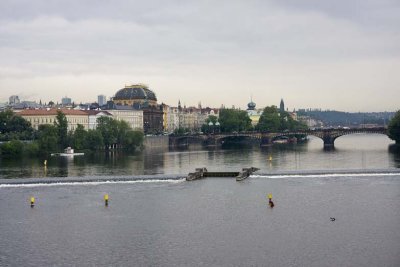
{"points": [[179, 106], [251, 105], [282, 106]]}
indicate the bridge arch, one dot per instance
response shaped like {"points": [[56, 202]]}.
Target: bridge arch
{"points": [[184, 140], [329, 136]]}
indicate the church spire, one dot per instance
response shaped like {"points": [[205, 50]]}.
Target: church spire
{"points": [[282, 106]]}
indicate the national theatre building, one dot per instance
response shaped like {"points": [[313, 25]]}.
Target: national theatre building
{"points": [[140, 97]]}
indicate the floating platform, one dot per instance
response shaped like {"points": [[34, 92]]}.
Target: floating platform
{"points": [[203, 173], [68, 152], [220, 174]]}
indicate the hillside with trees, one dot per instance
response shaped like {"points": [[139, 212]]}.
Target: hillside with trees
{"points": [[339, 118]]}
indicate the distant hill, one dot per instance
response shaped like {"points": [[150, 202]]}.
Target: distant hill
{"points": [[340, 118]]}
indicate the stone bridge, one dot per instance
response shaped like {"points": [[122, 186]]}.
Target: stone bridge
{"points": [[265, 138]]}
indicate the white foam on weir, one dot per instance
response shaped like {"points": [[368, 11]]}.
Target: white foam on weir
{"points": [[330, 175], [93, 183]]}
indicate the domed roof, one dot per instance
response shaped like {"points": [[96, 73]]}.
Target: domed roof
{"points": [[251, 105], [135, 91]]}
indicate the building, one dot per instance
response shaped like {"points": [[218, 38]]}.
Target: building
{"points": [[48, 116], [66, 101], [93, 115], [26, 105], [135, 95], [14, 99], [282, 106], [254, 114], [3, 106], [309, 121], [133, 117], [101, 100], [140, 97], [153, 119], [191, 118]]}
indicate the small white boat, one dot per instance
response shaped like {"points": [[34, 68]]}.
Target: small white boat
{"points": [[68, 152], [280, 141]]}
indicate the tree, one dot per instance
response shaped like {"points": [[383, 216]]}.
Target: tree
{"points": [[132, 140], [122, 129], [234, 120], [94, 140], [13, 126], [47, 138], [5, 118], [269, 120], [12, 148], [79, 137], [61, 124], [211, 118], [108, 128], [181, 131], [394, 128], [288, 123]]}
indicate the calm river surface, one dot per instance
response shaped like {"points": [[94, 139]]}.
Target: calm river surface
{"points": [[156, 218]]}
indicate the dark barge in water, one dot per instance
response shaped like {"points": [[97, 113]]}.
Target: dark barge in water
{"points": [[203, 173]]}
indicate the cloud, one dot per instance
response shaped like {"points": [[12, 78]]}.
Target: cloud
{"points": [[192, 49]]}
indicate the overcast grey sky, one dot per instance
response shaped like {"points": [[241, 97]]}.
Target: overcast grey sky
{"points": [[341, 54]]}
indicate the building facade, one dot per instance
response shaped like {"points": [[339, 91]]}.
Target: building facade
{"points": [[101, 100], [66, 101], [93, 115], [133, 117], [253, 113], [14, 99], [48, 116], [191, 118]]}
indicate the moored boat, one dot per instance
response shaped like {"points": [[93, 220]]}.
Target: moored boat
{"points": [[68, 152]]}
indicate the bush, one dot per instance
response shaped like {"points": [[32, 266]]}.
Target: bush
{"points": [[12, 148], [32, 149], [394, 128]]}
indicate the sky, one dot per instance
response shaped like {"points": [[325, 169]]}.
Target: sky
{"points": [[338, 55]]}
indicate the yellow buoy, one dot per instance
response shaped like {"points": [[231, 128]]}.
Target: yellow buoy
{"points": [[32, 202], [269, 196], [106, 199]]}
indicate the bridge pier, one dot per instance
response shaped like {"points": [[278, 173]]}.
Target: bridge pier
{"points": [[212, 142], [329, 141], [266, 140]]}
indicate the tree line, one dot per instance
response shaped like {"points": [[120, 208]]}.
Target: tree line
{"points": [[271, 120], [18, 137], [336, 118]]}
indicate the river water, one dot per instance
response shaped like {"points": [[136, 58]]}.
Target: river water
{"points": [[332, 208]]}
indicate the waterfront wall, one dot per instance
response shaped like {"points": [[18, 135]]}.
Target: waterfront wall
{"points": [[156, 141]]}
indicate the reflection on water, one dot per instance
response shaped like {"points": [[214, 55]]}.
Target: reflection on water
{"points": [[359, 151]]}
